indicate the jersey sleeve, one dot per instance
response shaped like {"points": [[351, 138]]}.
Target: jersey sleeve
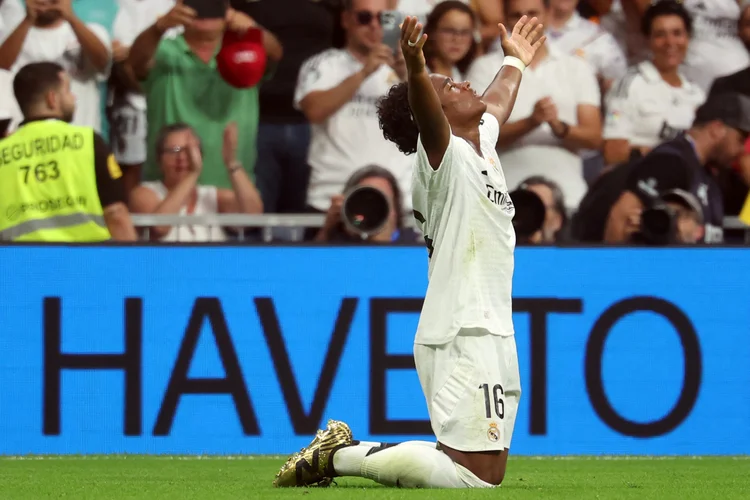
{"points": [[443, 176], [619, 118], [318, 73], [656, 173], [489, 131], [108, 174]]}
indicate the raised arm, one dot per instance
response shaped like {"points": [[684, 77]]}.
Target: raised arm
{"points": [[434, 130], [519, 48]]}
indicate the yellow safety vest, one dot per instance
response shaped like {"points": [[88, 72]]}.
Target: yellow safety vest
{"points": [[48, 189]]}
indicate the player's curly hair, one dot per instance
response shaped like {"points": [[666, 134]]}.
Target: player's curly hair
{"points": [[396, 120]]}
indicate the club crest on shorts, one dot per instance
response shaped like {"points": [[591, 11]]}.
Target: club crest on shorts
{"points": [[493, 433]]}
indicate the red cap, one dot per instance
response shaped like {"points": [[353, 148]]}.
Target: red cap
{"points": [[242, 58]]}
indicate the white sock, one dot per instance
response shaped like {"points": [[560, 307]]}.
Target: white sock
{"points": [[413, 464]]}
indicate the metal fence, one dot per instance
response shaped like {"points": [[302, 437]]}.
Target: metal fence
{"points": [[292, 225]]}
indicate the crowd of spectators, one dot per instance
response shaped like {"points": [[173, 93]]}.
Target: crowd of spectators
{"points": [[616, 79]]}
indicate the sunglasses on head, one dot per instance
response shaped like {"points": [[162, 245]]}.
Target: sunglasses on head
{"points": [[365, 17]]}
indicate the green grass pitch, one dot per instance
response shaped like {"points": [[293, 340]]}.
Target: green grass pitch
{"points": [[215, 478]]}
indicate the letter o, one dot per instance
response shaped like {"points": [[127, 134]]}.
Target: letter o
{"points": [[693, 367]]}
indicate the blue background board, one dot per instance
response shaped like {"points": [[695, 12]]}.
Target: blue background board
{"points": [[307, 290]]}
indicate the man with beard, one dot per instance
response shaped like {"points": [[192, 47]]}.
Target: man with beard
{"points": [[52, 32], [58, 182]]}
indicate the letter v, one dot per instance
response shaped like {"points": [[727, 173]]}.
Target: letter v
{"points": [[305, 423]]}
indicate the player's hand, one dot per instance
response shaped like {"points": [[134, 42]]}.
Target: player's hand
{"points": [[180, 15], [239, 22], [525, 39], [195, 157], [231, 142], [378, 56], [120, 52], [544, 111], [412, 43]]}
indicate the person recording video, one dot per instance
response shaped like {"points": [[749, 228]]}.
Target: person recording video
{"points": [[368, 210]]}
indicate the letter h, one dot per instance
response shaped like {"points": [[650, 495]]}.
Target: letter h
{"points": [[55, 361]]}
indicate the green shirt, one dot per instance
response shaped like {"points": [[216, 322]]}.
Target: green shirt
{"points": [[182, 88]]}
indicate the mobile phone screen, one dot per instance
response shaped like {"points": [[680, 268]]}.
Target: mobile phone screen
{"points": [[391, 21], [208, 9]]}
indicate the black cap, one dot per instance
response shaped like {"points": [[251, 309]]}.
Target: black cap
{"points": [[684, 198], [530, 212], [730, 108]]}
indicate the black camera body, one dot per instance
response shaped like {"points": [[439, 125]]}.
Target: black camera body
{"points": [[658, 225]]}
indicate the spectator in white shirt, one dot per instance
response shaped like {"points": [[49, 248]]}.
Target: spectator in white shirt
{"points": [[654, 102], [574, 35], [338, 90], [450, 48], [8, 105], [488, 13], [181, 161], [715, 49], [556, 114], [127, 104], [52, 32]]}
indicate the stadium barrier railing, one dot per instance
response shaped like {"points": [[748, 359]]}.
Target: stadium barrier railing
{"points": [[294, 223]]}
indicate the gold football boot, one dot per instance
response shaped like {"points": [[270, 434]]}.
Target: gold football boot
{"points": [[313, 464]]}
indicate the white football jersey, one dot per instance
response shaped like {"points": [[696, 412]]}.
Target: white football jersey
{"points": [[644, 109], [465, 212]]}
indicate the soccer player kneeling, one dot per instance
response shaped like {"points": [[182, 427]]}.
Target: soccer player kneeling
{"points": [[465, 350]]}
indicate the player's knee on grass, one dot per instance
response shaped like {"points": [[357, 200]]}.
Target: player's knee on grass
{"points": [[486, 466]]}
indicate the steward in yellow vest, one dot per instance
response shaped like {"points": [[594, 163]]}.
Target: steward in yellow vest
{"points": [[58, 182]]}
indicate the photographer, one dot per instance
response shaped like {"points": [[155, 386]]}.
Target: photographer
{"points": [[368, 210], [555, 218], [675, 217], [528, 221], [716, 139]]}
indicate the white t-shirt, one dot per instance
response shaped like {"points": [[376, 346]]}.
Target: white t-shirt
{"points": [[570, 82], [350, 138], [61, 46], [133, 18], [715, 50], [207, 203], [644, 109], [12, 12], [465, 212], [586, 39]]}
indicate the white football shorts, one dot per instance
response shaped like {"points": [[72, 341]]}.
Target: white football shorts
{"points": [[472, 387], [133, 127]]}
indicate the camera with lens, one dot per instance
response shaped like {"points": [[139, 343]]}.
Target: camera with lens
{"points": [[658, 225], [659, 220], [365, 211], [529, 218]]}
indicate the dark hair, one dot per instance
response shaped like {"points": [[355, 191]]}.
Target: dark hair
{"points": [[557, 195], [396, 120], [381, 173], [168, 130], [433, 19], [33, 81], [665, 8]]}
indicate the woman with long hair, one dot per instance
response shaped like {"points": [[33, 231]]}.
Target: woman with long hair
{"points": [[450, 46]]}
